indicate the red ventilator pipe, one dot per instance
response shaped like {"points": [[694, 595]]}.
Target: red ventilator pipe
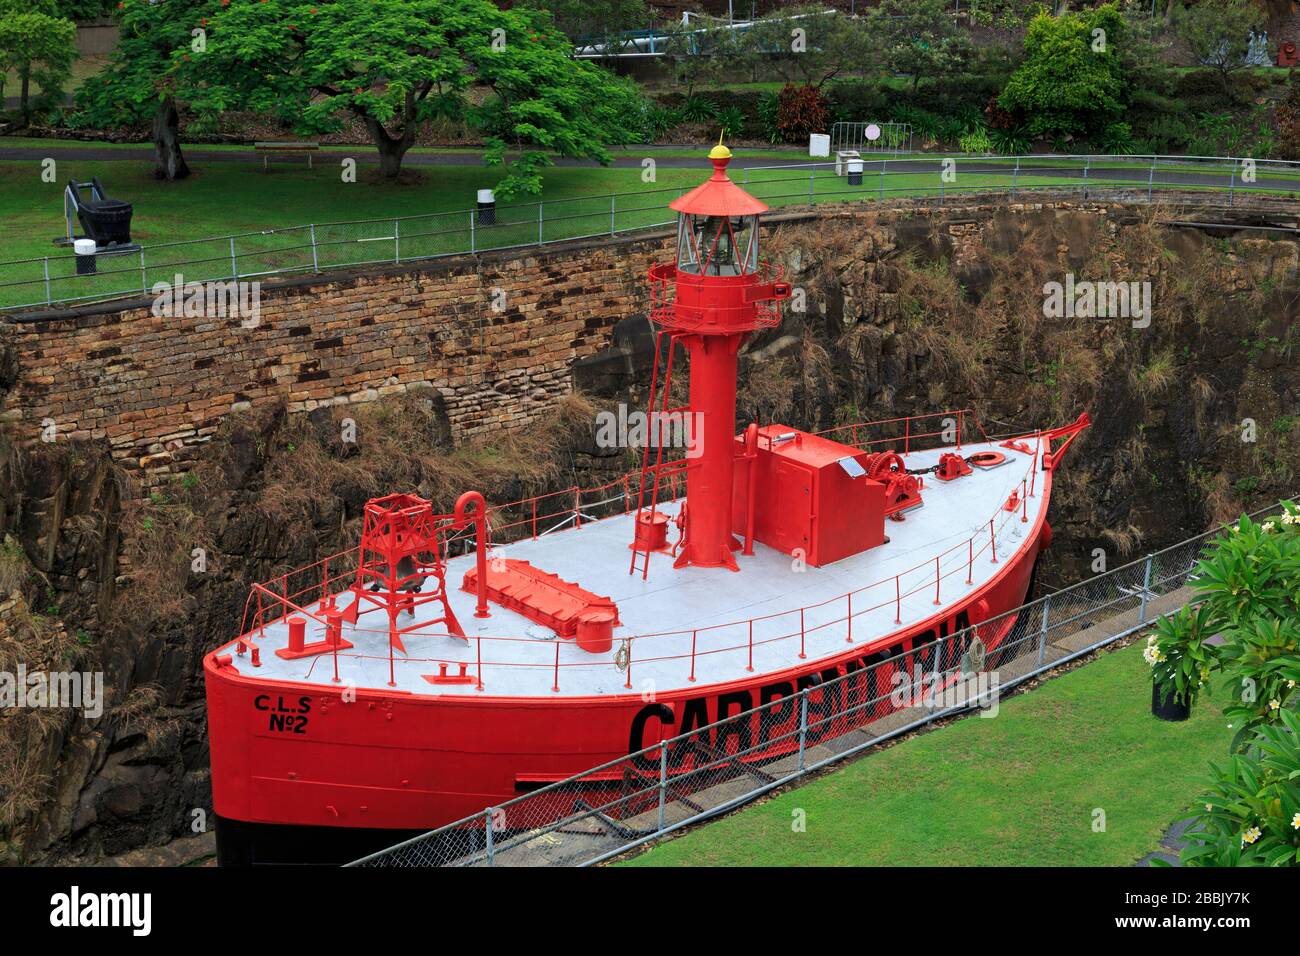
{"points": [[479, 517], [751, 455]]}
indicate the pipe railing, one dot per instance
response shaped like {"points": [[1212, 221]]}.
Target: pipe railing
{"points": [[898, 586], [691, 765], [44, 281]]}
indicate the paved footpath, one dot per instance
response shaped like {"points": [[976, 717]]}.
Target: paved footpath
{"points": [[1170, 844], [919, 164]]}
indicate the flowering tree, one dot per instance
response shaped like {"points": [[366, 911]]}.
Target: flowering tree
{"points": [[398, 64], [1248, 589], [140, 83]]}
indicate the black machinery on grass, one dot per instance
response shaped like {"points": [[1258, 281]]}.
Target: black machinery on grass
{"points": [[106, 223], [105, 220]]}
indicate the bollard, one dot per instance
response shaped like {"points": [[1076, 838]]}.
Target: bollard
{"points": [[85, 251], [297, 629], [487, 207]]}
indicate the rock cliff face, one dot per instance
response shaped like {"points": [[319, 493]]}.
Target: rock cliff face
{"points": [[898, 312], [1195, 405]]}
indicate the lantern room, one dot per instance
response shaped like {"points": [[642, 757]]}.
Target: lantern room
{"points": [[717, 225]]}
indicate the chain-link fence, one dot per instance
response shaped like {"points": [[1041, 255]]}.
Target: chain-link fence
{"points": [[51, 280], [621, 804]]}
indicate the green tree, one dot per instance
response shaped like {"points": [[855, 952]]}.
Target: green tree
{"points": [[1217, 32], [398, 64], [702, 52], [807, 45], [592, 21], [37, 45], [140, 84], [85, 9], [921, 37], [1072, 79]]}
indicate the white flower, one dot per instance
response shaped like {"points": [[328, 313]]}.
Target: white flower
{"points": [[1274, 704], [1290, 685], [1267, 526], [1295, 822], [1209, 808], [1251, 835], [1289, 518]]}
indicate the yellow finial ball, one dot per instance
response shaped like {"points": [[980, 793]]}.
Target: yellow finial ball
{"points": [[719, 152]]}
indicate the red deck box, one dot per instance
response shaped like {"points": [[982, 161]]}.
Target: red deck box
{"points": [[811, 494]]}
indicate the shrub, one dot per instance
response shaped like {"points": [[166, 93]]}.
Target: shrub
{"points": [[659, 120], [1066, 84], [1117, 140], [801, 111], [925, 125], [1165, 134], [1251, 814], [1248, 588], [1010, 142], [731, 120], [1287, 118], [976, 141], [769, 112], [855, 101], [698, 109]]}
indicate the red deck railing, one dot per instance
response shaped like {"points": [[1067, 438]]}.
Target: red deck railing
{"points": [[296, 592]]}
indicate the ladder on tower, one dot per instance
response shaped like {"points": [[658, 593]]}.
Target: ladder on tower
{"points": [[653, 474]]}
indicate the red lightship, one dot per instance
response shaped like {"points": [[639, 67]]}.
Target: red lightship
{"points": [[395, 688]]}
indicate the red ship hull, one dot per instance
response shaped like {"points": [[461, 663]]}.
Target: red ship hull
{"points": [[294, 766]]}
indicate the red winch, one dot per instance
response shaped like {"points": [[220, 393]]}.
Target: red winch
{"points": [[902, 489], [951, 466]]}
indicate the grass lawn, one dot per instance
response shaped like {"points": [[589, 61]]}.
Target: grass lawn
{"points": [[269, 213], [223, 198], [1019, 789], [82, 69]]}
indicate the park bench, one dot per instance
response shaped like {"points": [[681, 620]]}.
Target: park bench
{"points": [[292, 149]]}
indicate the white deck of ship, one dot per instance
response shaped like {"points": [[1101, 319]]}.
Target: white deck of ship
{"points": [[596, 556]]}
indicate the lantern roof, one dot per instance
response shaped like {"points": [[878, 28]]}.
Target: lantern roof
{"points": [[718, 195]]}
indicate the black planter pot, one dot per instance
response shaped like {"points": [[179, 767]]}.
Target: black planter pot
{"points": [[1168, 708]]}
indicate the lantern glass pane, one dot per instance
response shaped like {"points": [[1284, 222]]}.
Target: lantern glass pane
{"points": [[687, 252], [717, 245]]}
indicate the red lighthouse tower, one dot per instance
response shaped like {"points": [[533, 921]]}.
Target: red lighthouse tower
{"points": [[710, 301]]}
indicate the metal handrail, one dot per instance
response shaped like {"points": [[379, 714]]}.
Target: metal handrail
{"points": [[851, 719], [286, 601], [130, 280]]}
